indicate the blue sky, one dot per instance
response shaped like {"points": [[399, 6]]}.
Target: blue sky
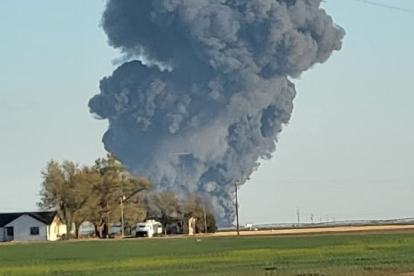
{"points": [[347, 153]]}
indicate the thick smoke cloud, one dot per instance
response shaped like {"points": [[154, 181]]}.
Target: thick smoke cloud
{"points": [[215, 90]]}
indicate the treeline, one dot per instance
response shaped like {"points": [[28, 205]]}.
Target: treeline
{"points": [[94, 194]]}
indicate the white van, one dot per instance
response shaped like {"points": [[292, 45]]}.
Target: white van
{"points": [[148, 229]]}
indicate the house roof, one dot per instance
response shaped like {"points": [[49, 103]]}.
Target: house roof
{"points": [[45, 217]]}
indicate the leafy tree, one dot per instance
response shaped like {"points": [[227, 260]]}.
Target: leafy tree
{"points": [[134, 212], [165, 206], [63, 190], [199, 208], [114, 184], [92, 193], [85, 196], [95, 194], [211, 223]]}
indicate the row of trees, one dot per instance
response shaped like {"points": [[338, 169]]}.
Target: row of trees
{"points": [[94, 193]]}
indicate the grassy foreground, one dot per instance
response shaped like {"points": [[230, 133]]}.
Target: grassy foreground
{"points": [[387, 254]]}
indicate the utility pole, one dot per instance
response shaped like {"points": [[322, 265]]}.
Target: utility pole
{"points": [[237, 209], [205, 218], [312, 218], [298, 214], [122, 216], [107, 218], [122, 205]]}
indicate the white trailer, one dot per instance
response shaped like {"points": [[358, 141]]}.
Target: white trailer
{"points": [[148, 229]]}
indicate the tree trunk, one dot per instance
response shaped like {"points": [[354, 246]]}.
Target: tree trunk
{"points": [[205, 219], [69, 229], [67, 221], [107, 220], [164, 223], [77, 230]]}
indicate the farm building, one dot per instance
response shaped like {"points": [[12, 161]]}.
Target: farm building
{"points": [[31, 226]]}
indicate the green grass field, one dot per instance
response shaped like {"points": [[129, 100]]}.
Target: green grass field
{"points": [[385, 254]]}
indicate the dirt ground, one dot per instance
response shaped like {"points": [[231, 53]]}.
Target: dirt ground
{"points": [[326, 230]]}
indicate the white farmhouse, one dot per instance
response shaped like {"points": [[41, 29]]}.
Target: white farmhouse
{"points": [[31, 226]]}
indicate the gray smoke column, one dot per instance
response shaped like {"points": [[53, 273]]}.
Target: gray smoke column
{"points": [[209, 89]]}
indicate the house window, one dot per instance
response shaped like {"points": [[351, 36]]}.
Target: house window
{"points": [[10, 231], [34, 231]]}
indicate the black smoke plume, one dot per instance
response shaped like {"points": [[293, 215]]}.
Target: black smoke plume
{"points": [[209, 89]]}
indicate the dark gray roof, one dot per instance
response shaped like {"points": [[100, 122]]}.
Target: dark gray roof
{"points": [[45, 217]]}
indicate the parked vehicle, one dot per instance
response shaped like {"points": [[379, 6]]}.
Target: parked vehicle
{"points": [[148, 229]]}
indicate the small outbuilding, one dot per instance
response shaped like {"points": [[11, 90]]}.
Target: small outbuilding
{"points": [[31, 226]]}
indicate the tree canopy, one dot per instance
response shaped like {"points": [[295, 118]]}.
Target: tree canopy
{"points": [[97, 193], [92, 194]]}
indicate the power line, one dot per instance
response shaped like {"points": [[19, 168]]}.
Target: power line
{"points": [[385, 6]]}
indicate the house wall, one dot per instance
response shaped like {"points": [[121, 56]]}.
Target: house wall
{"points": [[56, 230], [22, 227], [3, 235]]}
